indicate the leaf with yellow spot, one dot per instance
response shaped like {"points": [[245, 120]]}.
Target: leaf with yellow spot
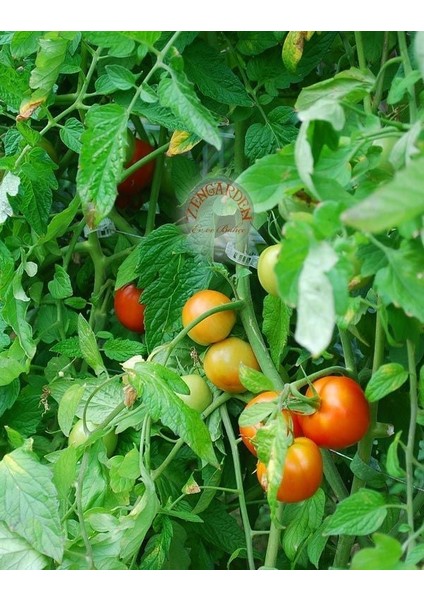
{"points": [[293, 48], [181, 142]]}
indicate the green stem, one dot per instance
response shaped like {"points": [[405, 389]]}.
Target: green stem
{"points": [[409, 455], [344, 546], [363, 66], [239, 482], [333, 476], [408, 70], [159, 152], [346, 340], [122, 226], [379, 84], [274, 540], [156, 183], [80, 513]]}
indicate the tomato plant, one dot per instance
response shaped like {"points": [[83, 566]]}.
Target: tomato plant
{"points": [[248, 432], [128, 309], [266, 269], [258, 139], [142, 177], [343, 415], [79, 436], [200, 395], [302, 474], [214, 328], [223, 360]]}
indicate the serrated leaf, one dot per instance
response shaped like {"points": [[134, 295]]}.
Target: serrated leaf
{"points": [[13, 86], [385, 380], [270, 179], [316, 546], [157, 548], [392, 204], [101, 160], [121, 350], [137, 523], [162, 403], [401, 86], [359, 514], [253, 380], [71, 133], [29, 504], [256, 413], [35, 192], [69, 347], [119, 44], [401, 282], [315, 308], [24, 43], [68, 407], [351, 85], [49, 60], [207, 68], [60, 222], [8, 395], [177, 94], [276, 326], [88, 345], [120, 77], [278, 131], [60, 287]]}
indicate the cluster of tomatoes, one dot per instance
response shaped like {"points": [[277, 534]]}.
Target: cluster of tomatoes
{"points": [[225, 354], [340, 420]]}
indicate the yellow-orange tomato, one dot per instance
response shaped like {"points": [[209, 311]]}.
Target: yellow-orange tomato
{"points": [[215, 327], [222, 363], [302, 474], [248, 432]]}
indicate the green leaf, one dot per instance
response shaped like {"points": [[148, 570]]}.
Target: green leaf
{"points": [[101, 160], [177, 94], [392, 462], [70, 348], [384, 556], [49, 60], [121, 78], [401, 281], [127, 269], [118, 44], [8, 394], [316, 545], [16, 440], [60, 287], [65, 471], [276, 326], [88, 345], [351, 85], [392, 204], [315, 309], [143, 37], [122, 350], [367, 472], [17, 554], [419, 51], [253, 380], [220, 529], [9, 186], [59, 225], [162, 403], [359, 514], [28, 502], [137, 523], [255, 42], [279, 130], [24, 43], [256, 413], [207, 68], [270, 179], [293, 48], [416, 555], [158, 547], [401, 85], [10, 369], [68, 407], [26, 413], [13, 86], [71, 133], [385, 380]]}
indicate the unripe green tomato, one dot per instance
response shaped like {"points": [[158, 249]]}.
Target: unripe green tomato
{"points": [[78, 436], [266, 269], [200, 393]]}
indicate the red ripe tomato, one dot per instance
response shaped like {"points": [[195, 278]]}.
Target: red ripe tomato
{"points": [[214, 328], [302, 474], [248, 432], [128, 310], [343, 416], [222, 363], [143, 176]]}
